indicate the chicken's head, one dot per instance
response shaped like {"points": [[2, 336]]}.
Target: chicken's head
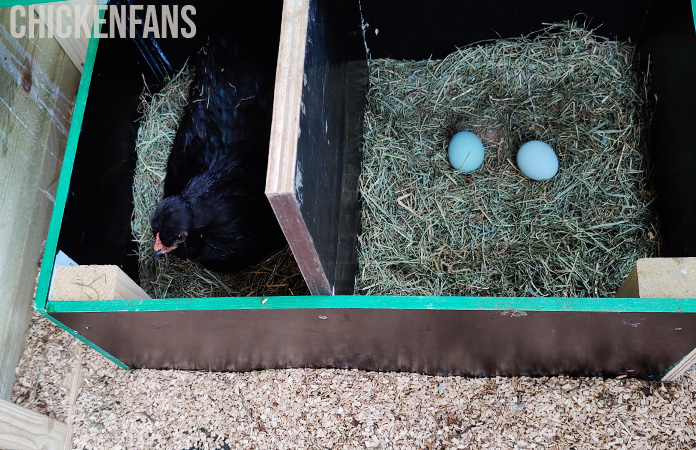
{"points": [[170, 224]]}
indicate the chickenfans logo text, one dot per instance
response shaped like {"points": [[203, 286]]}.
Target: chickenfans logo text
{"points": [[64, 21]]}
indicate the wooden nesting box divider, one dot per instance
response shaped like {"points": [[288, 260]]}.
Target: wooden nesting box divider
{"points": [[661, 278], [314, 168], [314, 159]]}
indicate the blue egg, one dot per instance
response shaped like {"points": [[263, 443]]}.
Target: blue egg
{"points": [[465, 152], [537, 160]]}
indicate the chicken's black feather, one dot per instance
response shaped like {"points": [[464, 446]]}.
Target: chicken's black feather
{"points": [[214, 187]]}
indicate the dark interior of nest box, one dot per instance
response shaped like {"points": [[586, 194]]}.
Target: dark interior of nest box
{"points": [[96, 227], [96, 223]]}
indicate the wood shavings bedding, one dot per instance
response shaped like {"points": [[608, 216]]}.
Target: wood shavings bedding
{"points": [[345, 409]]}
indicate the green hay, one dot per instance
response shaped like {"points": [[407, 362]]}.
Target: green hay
{"points": [[430, 230], [172, 277]]}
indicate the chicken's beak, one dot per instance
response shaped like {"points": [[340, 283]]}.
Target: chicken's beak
{"points": [[160, 249]]}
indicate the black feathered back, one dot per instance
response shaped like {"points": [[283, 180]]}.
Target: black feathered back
{"points": [[219, 158], [231, 101]]}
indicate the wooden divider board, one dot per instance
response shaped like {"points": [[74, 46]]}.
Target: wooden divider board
{"points": [[661, 278], [281, 179], [314, 157]]}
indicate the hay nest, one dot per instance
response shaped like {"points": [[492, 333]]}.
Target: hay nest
{"points": [[172, 277], [430, 230]]}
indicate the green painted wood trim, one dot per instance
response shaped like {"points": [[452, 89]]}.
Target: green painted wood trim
{"points": [[41, 297], [65, 174], [657, 305]]}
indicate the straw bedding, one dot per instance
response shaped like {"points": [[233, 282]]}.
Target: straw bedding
{"points": [[430, 230], [172, 277]]}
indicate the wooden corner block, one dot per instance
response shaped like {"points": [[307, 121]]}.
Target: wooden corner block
{"points": [[661, 278], [24, 429], [94, 283]]}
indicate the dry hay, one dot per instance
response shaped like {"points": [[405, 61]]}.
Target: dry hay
{"points": [[171, 277], [430, 230]]}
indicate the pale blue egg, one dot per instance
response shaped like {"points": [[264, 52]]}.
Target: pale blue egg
{"points": [[537, 160], [465, 152]]}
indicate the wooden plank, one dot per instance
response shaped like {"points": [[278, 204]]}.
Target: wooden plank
{"points": [[681, 367], [282, 160], [38, 84], [74, 47], [282, 157], [94, 282], [431, 341], [629, 288], [287, 211], [76, 377], [314, 157], [24, 429], [661, 278]]}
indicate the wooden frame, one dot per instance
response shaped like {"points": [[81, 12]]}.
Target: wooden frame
{"points": [[645, 337]]}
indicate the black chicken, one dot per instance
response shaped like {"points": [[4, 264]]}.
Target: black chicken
{"points": [[214, 209]]}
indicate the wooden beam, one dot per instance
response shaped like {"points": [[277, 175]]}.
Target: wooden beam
{"points": [[38, 85], [24, 429], [94, 283], [661, 278]]}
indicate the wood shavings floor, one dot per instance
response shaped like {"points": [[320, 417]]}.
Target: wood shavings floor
{"points": [[110, 408]]}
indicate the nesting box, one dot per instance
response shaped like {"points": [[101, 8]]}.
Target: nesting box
{"points": [[314, 168]]}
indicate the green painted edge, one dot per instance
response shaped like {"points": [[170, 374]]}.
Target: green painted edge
{"points": [[441, 303], [693, 11], [65, 174], [41, 297]]}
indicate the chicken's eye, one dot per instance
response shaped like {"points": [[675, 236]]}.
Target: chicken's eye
{"points": [[181, 237]]}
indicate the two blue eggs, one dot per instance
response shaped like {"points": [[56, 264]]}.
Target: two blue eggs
{"points": [[535, 159]]}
